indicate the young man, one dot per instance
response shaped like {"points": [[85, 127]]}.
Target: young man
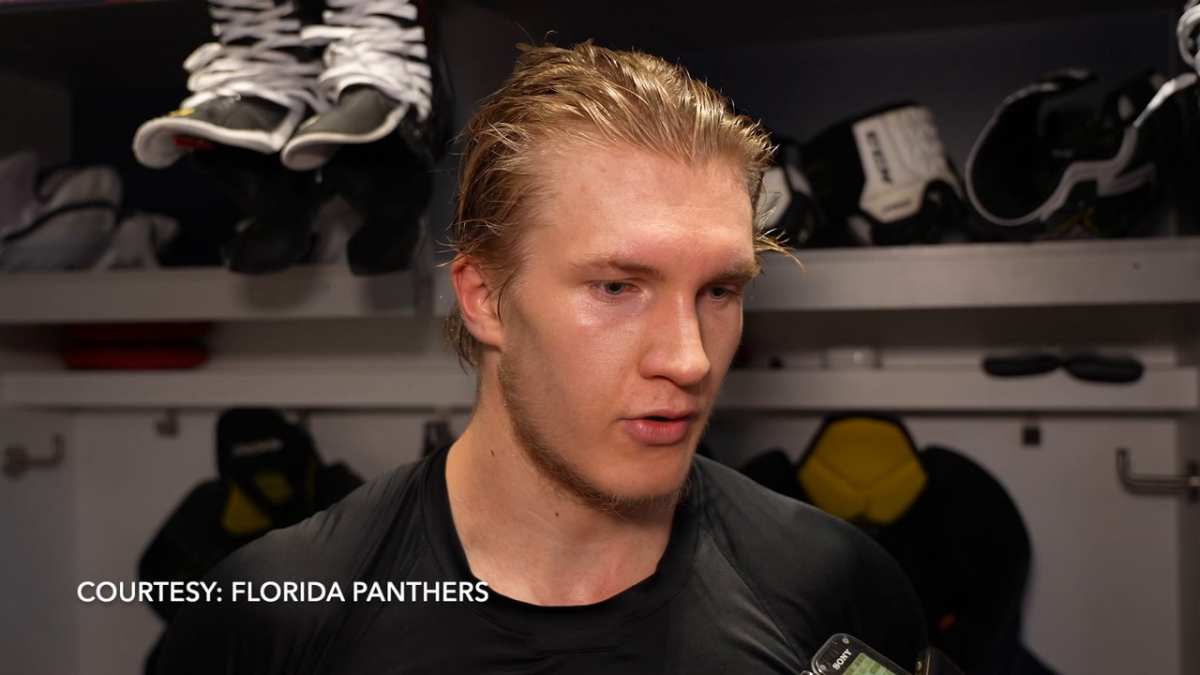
{"points": [[604, 235]]}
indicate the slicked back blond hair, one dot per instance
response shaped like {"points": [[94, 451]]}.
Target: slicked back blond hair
{"points": [[595, 95]]}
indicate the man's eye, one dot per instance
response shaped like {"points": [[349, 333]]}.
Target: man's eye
{"points": [[722, 292], [614, 288]]}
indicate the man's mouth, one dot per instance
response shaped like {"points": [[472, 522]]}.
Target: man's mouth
{"points": [[659, 429]]}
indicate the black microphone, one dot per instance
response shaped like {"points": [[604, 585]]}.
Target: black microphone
{"points": [[844, 654]]}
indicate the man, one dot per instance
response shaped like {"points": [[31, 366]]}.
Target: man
{"points": [[604, 238]]}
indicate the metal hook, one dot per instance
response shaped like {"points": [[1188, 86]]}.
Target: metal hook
{"points": [[437, 433], [17, 459], [168, 424], [1189, 484]]}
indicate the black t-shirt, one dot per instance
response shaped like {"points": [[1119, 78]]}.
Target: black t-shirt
{"points": [[751, 582]]}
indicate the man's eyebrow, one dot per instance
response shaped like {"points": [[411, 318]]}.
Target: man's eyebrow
{"points": [[742, 272], [739, 272]]}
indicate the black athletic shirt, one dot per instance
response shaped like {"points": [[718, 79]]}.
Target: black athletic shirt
{"points": [[751, 582]]}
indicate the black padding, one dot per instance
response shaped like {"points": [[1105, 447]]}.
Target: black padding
{"points": [[280, 207], [833, 161], [965, 547], [802, 221], [774, 469], [254, 440], [1111, 369], [1019, 365], [249, 440], [190, 543]]}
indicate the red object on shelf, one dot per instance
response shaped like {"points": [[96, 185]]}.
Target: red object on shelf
{"points": [[136, 345]]}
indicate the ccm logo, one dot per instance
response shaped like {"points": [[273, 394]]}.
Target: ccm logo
{"points": [[259, 447], [841, 660], [877, 154]]}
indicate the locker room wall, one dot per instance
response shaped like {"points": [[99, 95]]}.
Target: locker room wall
{"points": [[1188, 439], [39, 626]]}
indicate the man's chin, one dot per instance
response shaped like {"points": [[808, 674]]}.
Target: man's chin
{"points": [[641, 487], [629, 479]]}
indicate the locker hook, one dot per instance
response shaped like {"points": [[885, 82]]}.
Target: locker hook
{"points": [[1189, 484], [168, 424], [302, 417], [17, 459]]}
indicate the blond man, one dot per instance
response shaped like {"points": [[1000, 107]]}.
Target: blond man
{"points": [[604, 238]]}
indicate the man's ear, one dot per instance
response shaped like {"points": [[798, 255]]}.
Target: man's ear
{"points": [[477, 301]]}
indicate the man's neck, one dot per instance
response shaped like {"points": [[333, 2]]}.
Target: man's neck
{"points": [[530, 539]]}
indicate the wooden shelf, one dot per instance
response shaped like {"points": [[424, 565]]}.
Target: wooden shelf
{"points": [[206, 389], [1147, 273], [980, 276], [1173, 390], [972, 277], [1161, 391], [204, 293]]}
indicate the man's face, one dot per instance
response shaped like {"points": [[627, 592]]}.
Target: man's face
{"points": [[627, 309]]}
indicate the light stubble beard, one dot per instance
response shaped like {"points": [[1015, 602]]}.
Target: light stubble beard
{"points": [[553, 465]]}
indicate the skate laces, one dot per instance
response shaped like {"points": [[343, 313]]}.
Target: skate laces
{"points": [[367, 45], [260, 66], [1189, 25]]}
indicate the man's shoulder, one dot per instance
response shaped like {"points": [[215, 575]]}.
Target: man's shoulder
{"points": [[255, 624], [332, 542], [815, 574], [753, 516]]}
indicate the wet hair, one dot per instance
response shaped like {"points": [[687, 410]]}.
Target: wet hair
{"points": [[596, 96]]}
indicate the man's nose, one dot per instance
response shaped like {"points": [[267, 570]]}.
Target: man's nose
{"points": [[677, 345]]}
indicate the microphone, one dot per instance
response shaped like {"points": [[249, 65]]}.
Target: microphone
{"points": [[845, 654]]}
